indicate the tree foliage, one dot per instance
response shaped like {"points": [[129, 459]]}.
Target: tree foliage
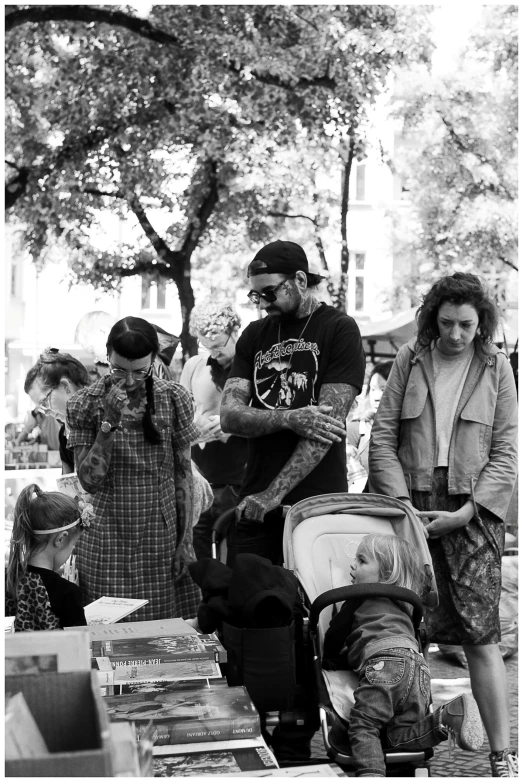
{"points": [[459, 161], [170, 121]]}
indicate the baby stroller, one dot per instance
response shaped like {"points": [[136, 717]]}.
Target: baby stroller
{"points": [[320, 535]]}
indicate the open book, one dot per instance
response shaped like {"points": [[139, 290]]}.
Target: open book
{"points": [[107, 610]]}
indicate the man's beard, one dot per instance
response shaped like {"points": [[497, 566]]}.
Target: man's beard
{"points": [[283, 317]]}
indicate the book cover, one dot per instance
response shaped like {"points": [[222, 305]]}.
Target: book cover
{"points": [[209, 758], [159, 649], [161, 686], [316, 770], [107, 610], [172, 671], [23, 738], [46, 650], [145, 629], [190, 714], [70, 484]]}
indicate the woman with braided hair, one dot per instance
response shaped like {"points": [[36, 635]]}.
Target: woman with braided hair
{"points": [[131, 433]]}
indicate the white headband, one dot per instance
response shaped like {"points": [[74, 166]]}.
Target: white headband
{"points": [[56, 529]]}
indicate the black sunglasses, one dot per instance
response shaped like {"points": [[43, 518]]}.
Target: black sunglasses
{"points": [[269, 296]]}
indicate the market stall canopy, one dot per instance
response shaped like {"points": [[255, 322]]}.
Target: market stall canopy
{"points": [[383, 338]]}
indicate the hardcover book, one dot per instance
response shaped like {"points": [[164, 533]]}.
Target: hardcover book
{"points": [[187, 760], [161, 686], [113, 674], [190, 714], [107, 610], [160, 649], [145, 629]]}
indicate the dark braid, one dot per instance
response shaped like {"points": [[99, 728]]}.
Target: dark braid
{"points": [[135, 338], [149, 429]]}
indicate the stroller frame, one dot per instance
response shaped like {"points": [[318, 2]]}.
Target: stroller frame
{"points": [[380, 513]]}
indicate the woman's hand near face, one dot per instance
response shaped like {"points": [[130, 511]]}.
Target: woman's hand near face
{"points": [[115, 399]]}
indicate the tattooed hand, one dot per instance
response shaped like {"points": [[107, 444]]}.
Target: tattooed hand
{"points": [[115, 399], [254, 507], [315, 423]]}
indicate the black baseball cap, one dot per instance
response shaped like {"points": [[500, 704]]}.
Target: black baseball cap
{"points": [[279, 258]]}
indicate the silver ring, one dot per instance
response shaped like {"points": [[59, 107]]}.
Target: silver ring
{"points": [[328, 427]]}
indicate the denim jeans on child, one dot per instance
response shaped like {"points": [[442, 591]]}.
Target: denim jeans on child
{"points": [[391, 703]]}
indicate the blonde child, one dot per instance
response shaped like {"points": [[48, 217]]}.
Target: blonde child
{"points": [[377, 636], [46, 527]]}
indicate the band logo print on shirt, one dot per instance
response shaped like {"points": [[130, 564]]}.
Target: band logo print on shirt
{"points": [[277, 386]]}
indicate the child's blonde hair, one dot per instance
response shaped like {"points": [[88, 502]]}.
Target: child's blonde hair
{"points": [[36, 512], [399, 562]]}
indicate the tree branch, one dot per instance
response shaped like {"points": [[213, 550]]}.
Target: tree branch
{"points": [[16, 187], [168, 256], [199, 222], [97, 192], [86, 13], [292, 217]]}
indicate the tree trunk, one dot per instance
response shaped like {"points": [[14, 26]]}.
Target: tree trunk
{"points": [[341, 302], [186, 296]]}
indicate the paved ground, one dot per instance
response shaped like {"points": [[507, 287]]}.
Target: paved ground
{"points": [[449, 679]]}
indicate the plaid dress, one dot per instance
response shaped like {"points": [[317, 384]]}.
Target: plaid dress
{"points": [[128, 549]]}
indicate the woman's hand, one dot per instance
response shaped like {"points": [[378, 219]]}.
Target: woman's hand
{"points": [[115, 400], [439, 522]]}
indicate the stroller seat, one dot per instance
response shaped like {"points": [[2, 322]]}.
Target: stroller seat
{"points": [[321, 537], [329, 543]]}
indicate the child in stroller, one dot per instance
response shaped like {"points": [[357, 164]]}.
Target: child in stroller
{"points": [[376, 634]]}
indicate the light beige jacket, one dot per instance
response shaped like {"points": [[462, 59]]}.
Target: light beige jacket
{"points": [[482, 453]]}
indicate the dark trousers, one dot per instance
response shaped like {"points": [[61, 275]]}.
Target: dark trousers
{"points": [[263, 538], [225, 497]]}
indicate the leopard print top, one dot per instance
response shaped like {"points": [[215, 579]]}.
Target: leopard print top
{"points": [[32, 607]]}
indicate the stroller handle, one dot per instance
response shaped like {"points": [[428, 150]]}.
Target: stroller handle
{"points": [[366, 590]]}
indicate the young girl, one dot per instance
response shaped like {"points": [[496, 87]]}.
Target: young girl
{"points": [[393, 695], [45, 530]]}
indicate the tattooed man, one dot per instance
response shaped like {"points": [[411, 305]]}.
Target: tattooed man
{"points": [[294, 377]]}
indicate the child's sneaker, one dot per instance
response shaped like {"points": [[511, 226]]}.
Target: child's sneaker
{"points": [[460, 718], [504, 763]]}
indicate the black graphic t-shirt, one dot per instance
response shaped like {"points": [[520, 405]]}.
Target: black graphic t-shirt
{"points": [[287, 366]]}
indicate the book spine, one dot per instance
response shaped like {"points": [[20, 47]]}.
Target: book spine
{"points": [[179, 732], [182, 657]]}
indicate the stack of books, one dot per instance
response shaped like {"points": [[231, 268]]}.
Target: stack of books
{"points": [[166, 675]]}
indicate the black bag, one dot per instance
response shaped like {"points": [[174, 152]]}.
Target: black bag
{"points": [[263, 660]]}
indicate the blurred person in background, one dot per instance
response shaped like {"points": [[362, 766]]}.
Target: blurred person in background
{"points": [[360, 426], [49, 384], [220, 457]]}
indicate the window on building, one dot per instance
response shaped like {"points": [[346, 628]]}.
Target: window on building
{"points": [[161, 289], [357, 281], [13, 278], [358, 294], [146, 293], [360, 182], [359, 259]]}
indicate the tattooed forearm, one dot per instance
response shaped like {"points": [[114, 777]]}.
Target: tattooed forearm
{"points": [[92, 463], [237, 417], [324, 423], [183, 492], [309, 452]]}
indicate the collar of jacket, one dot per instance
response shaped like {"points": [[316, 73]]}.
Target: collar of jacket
{"points": [[484, 352]]}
